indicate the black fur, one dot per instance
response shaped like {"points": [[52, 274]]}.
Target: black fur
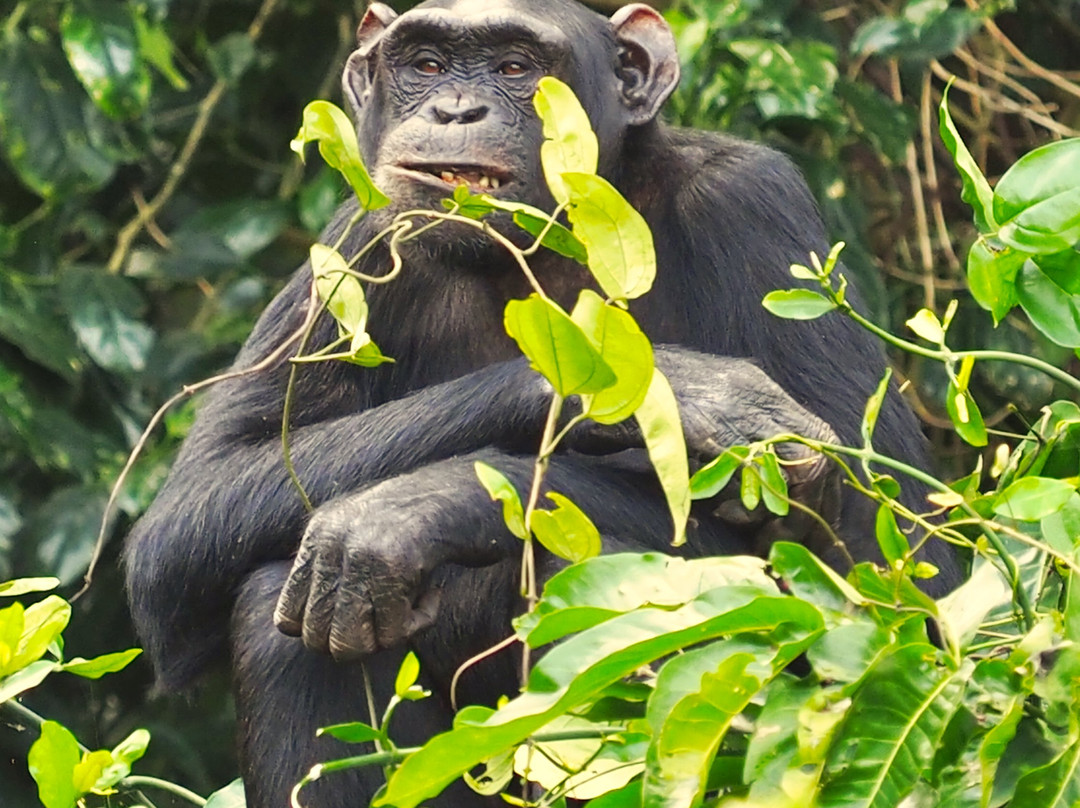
{"points": [[403, 535]]}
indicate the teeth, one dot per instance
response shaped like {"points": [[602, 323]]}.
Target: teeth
{"points": [[447, 176], [495, 182], [484, 182]]}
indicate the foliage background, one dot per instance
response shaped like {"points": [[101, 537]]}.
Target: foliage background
{"points": [[150, 207]]}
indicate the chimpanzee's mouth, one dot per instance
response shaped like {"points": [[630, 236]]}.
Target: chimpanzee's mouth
{"points": [[479, 179]]}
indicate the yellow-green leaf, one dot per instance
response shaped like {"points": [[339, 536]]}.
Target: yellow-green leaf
{"points": [[570, 144]]}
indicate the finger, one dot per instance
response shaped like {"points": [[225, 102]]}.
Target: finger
{"points": [[391, 597], [322, 596], [352, 630], [289, 612]]}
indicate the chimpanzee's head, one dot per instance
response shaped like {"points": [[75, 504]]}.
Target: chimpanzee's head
{"points": [[443, 93]]}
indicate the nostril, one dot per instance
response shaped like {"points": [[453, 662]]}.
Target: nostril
{"points": [[473, 115]]}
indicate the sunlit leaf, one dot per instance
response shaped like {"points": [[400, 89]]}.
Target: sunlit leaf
{"points": [[52, 761], [617, 238], [569, 142], [965, 415], [407, 674], [797, 304], [99, 666], [926, 324], [658, 417], [625, 349], [566, 531], [102, 47], [330, 127], [500, 489], [712, 478], [556, 346]]}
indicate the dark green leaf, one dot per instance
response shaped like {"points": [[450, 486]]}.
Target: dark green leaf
{"points": [[231, 56], [1032, 498], [991, 275], [976, 191], [1053, 310], [102, 46], [53, 135], [712, 478], [103, 309], [774, 489]]}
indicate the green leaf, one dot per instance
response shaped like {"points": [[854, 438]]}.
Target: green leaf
{"points": [[54, 137], [42, 624], [976, 190], [104, 312], [713, 477], [893, 543], [326, 123], [809, 578], [797, 304], [23, 586], [1032, 498], [25, 679], [52, 761], [873, 408], [157, 49], [686, 742], [231, 57], [230, 796], [625, 349], [750, 488], [616, 237], [353, 732], [566, 531], [587, 594], [407, 674], [102, 47], [1041, 190], [892, 729], [575, 671], [926, 324], [500, 489], [964, 609], [556, 346], [340, 292], [1047, 227], [99, 666], [569, 142], [1052, 309], [90, 769], [845, 653], [534, 221], [1055, 785], [658, 417], [991, 275], [965, 415], [774, 489]]}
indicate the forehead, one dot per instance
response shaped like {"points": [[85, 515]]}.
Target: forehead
{"points": [[495, 19]]}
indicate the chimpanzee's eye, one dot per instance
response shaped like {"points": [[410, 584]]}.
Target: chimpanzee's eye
{"points": [[513, 68], [429, 67]]}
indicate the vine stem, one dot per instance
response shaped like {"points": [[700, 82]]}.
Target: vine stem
{"points": [[946, 355], [164, 785], [870, 456]]}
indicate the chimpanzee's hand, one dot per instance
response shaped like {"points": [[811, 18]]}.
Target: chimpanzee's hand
{"points": [[727, 402], [357, 585]]}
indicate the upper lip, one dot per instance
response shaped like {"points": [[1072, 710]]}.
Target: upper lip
{"points": [[487, 178]]}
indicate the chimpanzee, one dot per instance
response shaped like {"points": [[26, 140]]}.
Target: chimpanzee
{"points": [[404, 548]]}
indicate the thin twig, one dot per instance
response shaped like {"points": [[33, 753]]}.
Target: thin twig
{"points": [[128, 233]]}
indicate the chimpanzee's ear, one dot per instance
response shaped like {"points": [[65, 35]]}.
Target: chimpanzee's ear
{"points": [[357, 79], [650, 63]]}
